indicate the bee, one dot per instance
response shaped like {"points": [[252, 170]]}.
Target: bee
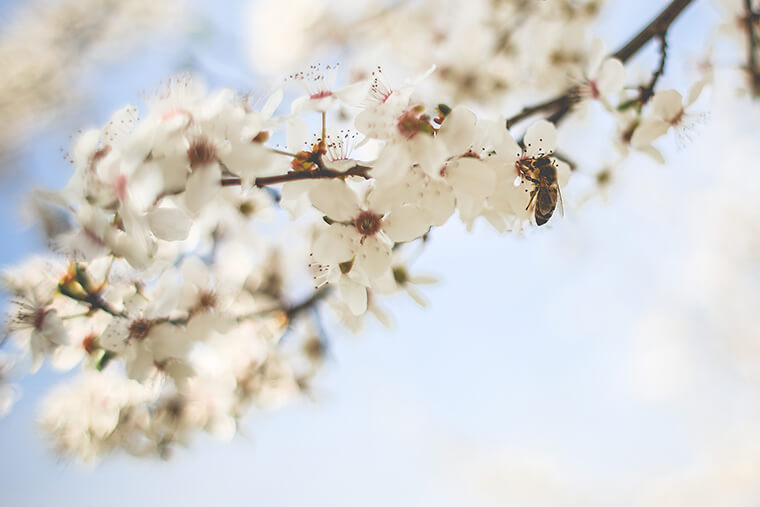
{"points": [[542, 172]]}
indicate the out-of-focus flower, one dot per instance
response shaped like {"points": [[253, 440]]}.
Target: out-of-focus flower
{"points": [[669, 111], [46, 45]]}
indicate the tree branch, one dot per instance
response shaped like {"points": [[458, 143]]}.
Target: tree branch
{"points": [[320, 173], [659, 25]]}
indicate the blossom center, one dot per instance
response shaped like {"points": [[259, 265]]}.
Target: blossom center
{"points": [[207, 299], [201, 153], [676, 120], [321, 95], [367, 223], [120, 187], [89, 344], [39, 318], [594, 89], [408, 124], [140, 328]]}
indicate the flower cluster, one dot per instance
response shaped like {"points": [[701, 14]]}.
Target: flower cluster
{"points": [[187, 295], [483, 48], [44, 46], [173, 298]]}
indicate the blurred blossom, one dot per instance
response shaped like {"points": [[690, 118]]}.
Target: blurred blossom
{"points": [[47, 46]]}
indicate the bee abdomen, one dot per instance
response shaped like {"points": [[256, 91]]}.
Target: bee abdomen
{"points": [[542, 218], [546, 202]]}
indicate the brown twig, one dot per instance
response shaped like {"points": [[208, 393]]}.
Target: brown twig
{"points": [[306, 304], [646, 92], [659, 25], [529, 111], [96, 302], [752, 44], [320, 173], [561, 105], [290, 311]]}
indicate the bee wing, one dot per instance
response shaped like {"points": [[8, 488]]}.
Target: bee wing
{"points": [[559, 202]]}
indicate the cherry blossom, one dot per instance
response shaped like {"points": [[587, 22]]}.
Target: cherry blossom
{"points": [[362, 232], [669, 111], [604, 77], [320, 95]]}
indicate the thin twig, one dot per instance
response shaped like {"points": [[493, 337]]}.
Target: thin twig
{"points": [[290, 311], [311, 302], [96, 302], [529, 111], [752, 44], [646, 92], [320, 173]]}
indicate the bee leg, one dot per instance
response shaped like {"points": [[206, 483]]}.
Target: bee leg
{"points": [[532, 195]]}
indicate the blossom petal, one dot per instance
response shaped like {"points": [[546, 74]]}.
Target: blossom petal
{"points": [[296, 134], [141, 365], [114, 336], [695, 91], [85, 145], [374, 256], [458, 130], [37, 346], [596, 54], [195, 272], [471, 177], [335, 199], [668, 104], [378, 121], [506, 147], [354, 93], [649, 130], [439, 202], [416, 296], [540, 138], [354, 295], [144, 187], [65, 358], [170, 224], [295, 197], [167, 292], [202, 186], [167, 342], [611, 77], [423, 279], [333, 245], [272, 103], [653, 153], [406, 223]]}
